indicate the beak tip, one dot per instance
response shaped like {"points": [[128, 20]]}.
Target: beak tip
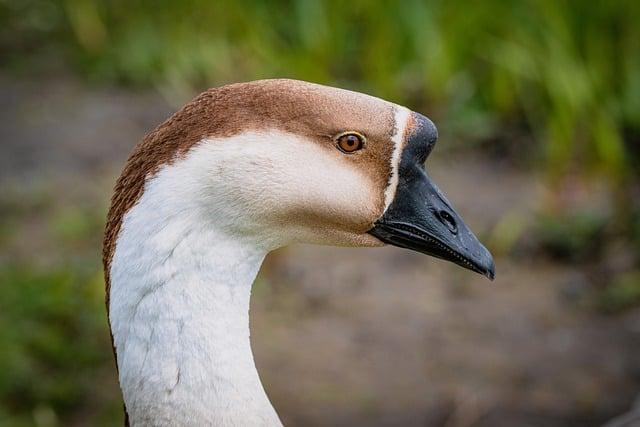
{"points": [[491, 271]]}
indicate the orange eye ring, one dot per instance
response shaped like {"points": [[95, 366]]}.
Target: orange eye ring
{"points": [[350, 142]]}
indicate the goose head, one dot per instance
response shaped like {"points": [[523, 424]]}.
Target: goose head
{"points": [[283, 161]]}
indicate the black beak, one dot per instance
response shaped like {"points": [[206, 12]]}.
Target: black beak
{"points": [[420, 218]]}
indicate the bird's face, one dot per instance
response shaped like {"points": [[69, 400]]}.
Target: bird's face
{"points": [[330, 166]]}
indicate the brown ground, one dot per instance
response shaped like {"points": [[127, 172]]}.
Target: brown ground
{"points": [[373, 336]]}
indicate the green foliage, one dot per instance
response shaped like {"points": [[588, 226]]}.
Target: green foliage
{"points": [[576, 237], [569, 71], [623, 293], [56, 358], [53, 337]]}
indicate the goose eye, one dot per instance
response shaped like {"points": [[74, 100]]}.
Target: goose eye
{"points": [[350, 142]]}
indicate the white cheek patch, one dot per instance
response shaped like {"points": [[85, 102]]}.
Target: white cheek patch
{"points": [[401, 117]]}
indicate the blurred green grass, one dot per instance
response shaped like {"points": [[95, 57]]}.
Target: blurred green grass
{"points": [[56, 357], [54, 349], [567, 72]]}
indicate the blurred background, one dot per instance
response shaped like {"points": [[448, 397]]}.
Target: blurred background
{"points": [[538, 107]]}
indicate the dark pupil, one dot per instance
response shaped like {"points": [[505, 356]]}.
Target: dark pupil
{"points": [[350, 143]]}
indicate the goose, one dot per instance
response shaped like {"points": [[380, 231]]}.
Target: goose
{"points": [[239, 171]]}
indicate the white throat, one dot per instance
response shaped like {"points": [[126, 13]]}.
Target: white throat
{"points": [[179, 309]]}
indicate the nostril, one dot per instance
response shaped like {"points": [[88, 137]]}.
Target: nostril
{"points": [[448, 220]]}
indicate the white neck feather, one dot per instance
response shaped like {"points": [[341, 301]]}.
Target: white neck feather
{"points": [[179, 310], [186, 257]]}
